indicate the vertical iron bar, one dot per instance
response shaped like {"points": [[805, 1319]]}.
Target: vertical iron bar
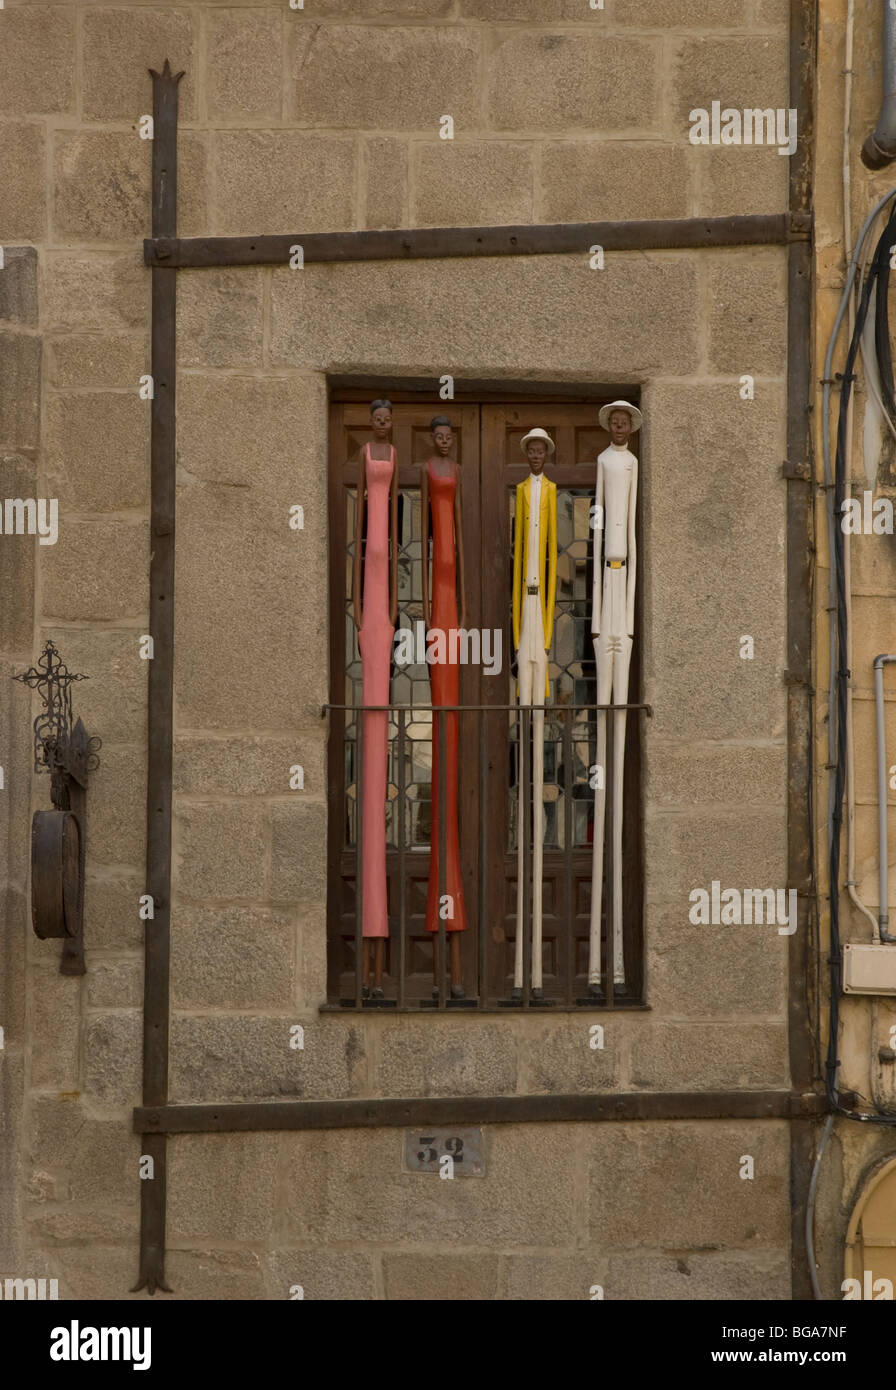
{"points": [[442, 793], [609, 784], [157, 940], [402, 886], [799, 563], [568, 784], [525, 798], [360, 717], [481, 927]]}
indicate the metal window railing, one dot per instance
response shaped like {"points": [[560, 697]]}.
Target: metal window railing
{"points": [[569, 714]]}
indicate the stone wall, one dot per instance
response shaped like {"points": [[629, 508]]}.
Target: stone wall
{"points": [[328, 118]]}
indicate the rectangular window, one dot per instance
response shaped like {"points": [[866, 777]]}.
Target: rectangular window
{"points": [[490, 465]]}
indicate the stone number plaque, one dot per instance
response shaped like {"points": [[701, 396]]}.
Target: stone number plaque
{"points": [[425, 1148]]}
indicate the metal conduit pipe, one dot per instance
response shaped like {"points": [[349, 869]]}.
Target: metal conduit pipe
{"points": [[879, 148], [883, 867]]}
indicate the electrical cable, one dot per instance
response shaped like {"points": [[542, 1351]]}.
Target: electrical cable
{"points": [[810, 1205], [840, 627], [839, 730], [882, 336], [866, 347], [827, 382], [872, 281], [870, 371]]}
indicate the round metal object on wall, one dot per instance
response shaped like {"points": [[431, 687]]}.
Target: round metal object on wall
{"points": [[55, 874]]}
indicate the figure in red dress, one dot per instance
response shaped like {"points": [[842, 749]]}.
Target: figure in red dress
{"points": [[375, 621], [440, 491]]}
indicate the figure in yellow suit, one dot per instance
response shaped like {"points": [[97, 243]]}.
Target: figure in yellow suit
{"points": [[534, 561]]}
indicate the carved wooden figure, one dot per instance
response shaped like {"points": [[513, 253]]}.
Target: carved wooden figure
{"points": [[440, 490], [375, 618], [534, 593], [612, 628]]}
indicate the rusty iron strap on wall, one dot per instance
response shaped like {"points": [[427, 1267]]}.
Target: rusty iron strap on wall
{"points": [[799, 474], [161, 677], [477, 1110], [440, 243], [165, 253]]}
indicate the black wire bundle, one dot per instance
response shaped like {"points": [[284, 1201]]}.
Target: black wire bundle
{"points": [[882, 333], [879, 276]]}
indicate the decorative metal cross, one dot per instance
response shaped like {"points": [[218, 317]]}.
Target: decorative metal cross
{"points": [[59, 747], [67, 752]]}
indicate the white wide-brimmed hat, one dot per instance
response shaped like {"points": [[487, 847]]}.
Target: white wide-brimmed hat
{"points": [[607, 410], [537, 434]]}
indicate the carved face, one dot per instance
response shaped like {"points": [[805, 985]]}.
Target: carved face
{"points": [[381, 422], [536, 453], [620, 426], [442, 440]]}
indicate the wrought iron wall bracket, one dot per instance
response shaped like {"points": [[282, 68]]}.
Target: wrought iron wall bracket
{"points": [[59, 837]]}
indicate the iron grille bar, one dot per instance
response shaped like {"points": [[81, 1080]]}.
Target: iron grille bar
{"points": [[469, 709], [608, 859], [483, 854], [567, 849], [523, 829], [442, 956], [565, 944], [402, 882], [359, 865]]}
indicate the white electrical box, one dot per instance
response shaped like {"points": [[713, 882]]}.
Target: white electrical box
{"points": [[869, 969]]}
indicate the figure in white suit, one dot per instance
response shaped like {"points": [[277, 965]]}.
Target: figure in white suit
{"points": [[534, 596], [612, 629]]}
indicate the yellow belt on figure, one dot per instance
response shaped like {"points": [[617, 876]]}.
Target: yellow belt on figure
{"points": [[615, 564]]}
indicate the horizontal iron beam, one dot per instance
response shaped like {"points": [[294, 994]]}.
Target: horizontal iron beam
{"points": [[475, 1110], [486, 709], [435, 243]]}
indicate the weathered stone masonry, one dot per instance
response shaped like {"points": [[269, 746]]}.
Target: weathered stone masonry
{"points": [[321, 120]]}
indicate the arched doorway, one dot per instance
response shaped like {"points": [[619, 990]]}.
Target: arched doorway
{"points": [[871, 1237]]}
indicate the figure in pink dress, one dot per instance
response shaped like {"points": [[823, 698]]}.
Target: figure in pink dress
{"points": [[440, 491], [375, 621]]}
